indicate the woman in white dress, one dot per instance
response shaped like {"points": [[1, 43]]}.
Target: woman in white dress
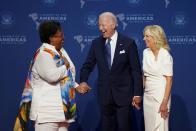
{"points": [[157, 72]]}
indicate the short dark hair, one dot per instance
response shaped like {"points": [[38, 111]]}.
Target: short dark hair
{"points": [[48, 29]]}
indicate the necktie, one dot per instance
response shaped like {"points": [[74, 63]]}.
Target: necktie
{"points": [[108, 52]]}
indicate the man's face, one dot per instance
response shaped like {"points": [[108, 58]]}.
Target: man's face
{"points": [[106, 26]]}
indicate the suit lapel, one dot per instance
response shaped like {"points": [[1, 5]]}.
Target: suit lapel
{"points": [[103, 53], [117, 50], [119, 46]]}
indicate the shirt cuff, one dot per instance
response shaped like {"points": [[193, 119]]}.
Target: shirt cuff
{"points": [[76, 85]]}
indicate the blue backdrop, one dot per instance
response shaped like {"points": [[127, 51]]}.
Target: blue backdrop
{"points": [[19, 39]]}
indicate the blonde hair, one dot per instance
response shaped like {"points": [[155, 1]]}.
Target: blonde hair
{"points": [[158, 35]]}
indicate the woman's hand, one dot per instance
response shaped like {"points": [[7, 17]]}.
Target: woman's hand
{"points": [[136, 102], [67, 64], [164, 110]]}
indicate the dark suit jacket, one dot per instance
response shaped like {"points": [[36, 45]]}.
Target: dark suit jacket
{"points": [[124, 79]]}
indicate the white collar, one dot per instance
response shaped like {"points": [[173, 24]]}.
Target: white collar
{"points": [[114, 36], [49, 46]]}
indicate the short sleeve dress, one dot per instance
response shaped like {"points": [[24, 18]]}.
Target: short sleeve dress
{"points": [[155, 84]]}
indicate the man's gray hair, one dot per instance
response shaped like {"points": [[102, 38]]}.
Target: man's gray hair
{"points": [[111, 15]]}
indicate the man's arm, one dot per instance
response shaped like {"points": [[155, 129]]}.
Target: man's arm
{"points": [[136, 70], [87, 67], [136, 75]]}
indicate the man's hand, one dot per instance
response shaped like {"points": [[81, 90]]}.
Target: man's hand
{"points": [[136, 102], [83, 88]]}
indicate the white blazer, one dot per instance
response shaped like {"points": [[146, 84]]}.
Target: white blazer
{"points": [[46, 103]]}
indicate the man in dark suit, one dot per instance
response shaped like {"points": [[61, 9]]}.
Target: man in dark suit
{"points": [[119, 74]]}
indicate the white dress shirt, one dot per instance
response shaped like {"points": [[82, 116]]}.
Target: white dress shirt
{"points": [[46, 103]]}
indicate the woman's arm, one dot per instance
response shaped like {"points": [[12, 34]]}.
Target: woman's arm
{"points": [[47, 69], [164, 105]]}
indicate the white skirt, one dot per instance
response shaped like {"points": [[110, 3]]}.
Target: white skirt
{"points": [[152, 118]]}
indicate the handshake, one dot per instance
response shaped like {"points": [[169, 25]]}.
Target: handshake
{"points": [[83, 88]]}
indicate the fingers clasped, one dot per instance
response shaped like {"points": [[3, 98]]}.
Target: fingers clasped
{"points": [[136, 102], [83, 88]]}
